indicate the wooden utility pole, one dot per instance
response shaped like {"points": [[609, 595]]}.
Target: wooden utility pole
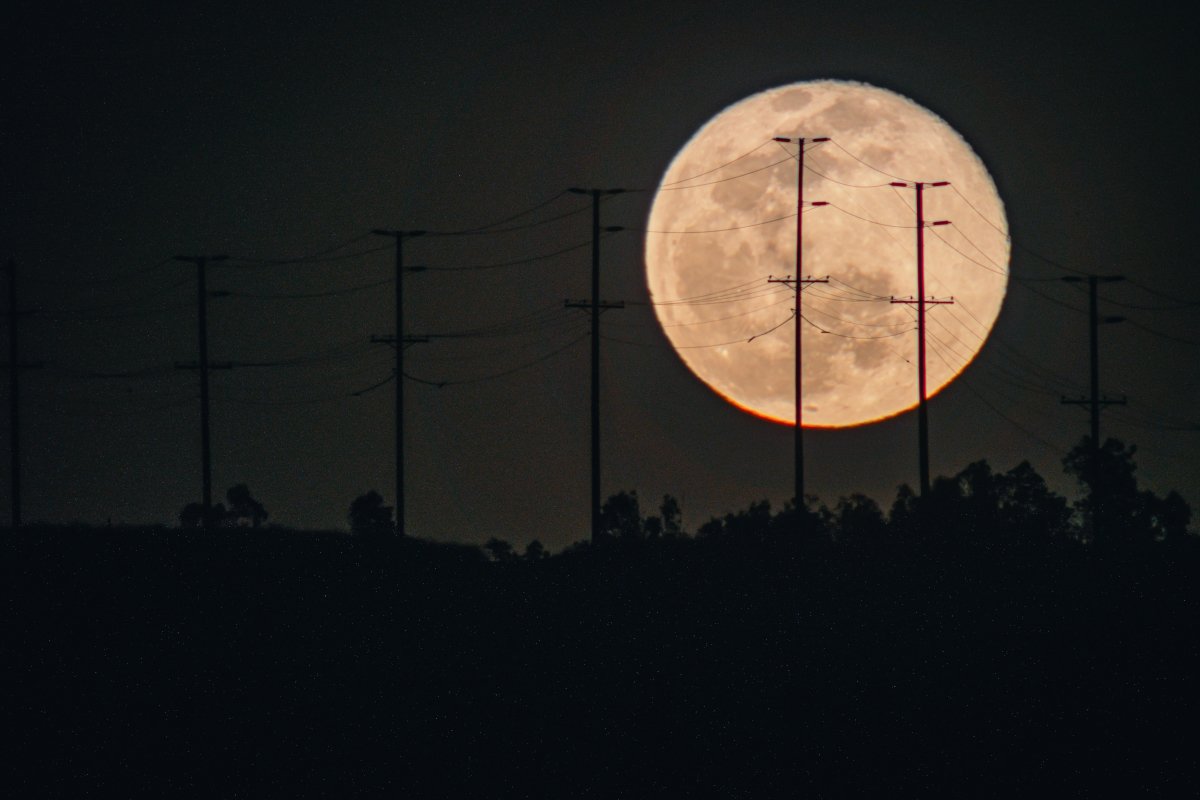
{"points": [[921, 301], [1096, 401], [799, 283], [202, 366], [595, 306], [399, 236]]}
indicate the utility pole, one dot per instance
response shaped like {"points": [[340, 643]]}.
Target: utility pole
{"points": [[202, 263], [399, 236], [921, 301], [595, 306], [799, 283], [14, 366], [1096, 401]]}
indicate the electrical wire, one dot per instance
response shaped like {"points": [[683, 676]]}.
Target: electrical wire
{"points": [[867, 219], [306, 295], [496, 375], [523, 227], [514, 263], [722, 166], [247, 262], [723, 180], [720, 230], [838, 145], [850, 336]]}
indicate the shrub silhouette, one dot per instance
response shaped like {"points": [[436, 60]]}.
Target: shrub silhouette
{"points": [[369, 516]]}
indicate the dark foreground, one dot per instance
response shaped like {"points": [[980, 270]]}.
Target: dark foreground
{"points": [[278, 664]]}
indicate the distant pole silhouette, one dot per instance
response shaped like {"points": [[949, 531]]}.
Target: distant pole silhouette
{"points": [[1096, 401], [399, 236], [202, 263], [921, 301], [799, 283], [595, 306]]}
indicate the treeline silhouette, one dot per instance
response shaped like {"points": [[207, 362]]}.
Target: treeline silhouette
{"points": [[976, 503], [975, 643]]}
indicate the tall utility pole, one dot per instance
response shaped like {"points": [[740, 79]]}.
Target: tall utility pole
{"points": [[1096, 401], [14, 365], [921, 301], [202, 263], [399, 236], [799, 283], [595, 306]]}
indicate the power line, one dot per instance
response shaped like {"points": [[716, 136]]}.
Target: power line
{"points": [[763, 144], [303, 295], [723, 180], [523, 227], [246, 262], [851, 336], [867, 219], [513, 263], [838, 145], [723, 230], [495, 375]]}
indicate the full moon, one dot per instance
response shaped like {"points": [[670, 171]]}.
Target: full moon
{"points": [[721, 252]]}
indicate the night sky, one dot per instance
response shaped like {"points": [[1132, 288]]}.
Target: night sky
{"points": [[288, 135]]}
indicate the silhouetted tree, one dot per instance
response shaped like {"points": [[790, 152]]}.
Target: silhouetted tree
{"points": [[857, 518], [904, 516], [499, 550], [653, 527], [979, 502], [672, 517], [1028, 507], [369, 516], [243, 507], [755, 523], [713, 529], [534, 551], [1108, 476], [1120, 511], [1170, 517], [621, 517]]}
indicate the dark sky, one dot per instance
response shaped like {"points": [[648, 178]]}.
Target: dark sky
{"points": [[130, 137]]}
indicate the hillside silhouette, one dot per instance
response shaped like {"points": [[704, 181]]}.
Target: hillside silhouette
{"points": [[977, 642]]}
